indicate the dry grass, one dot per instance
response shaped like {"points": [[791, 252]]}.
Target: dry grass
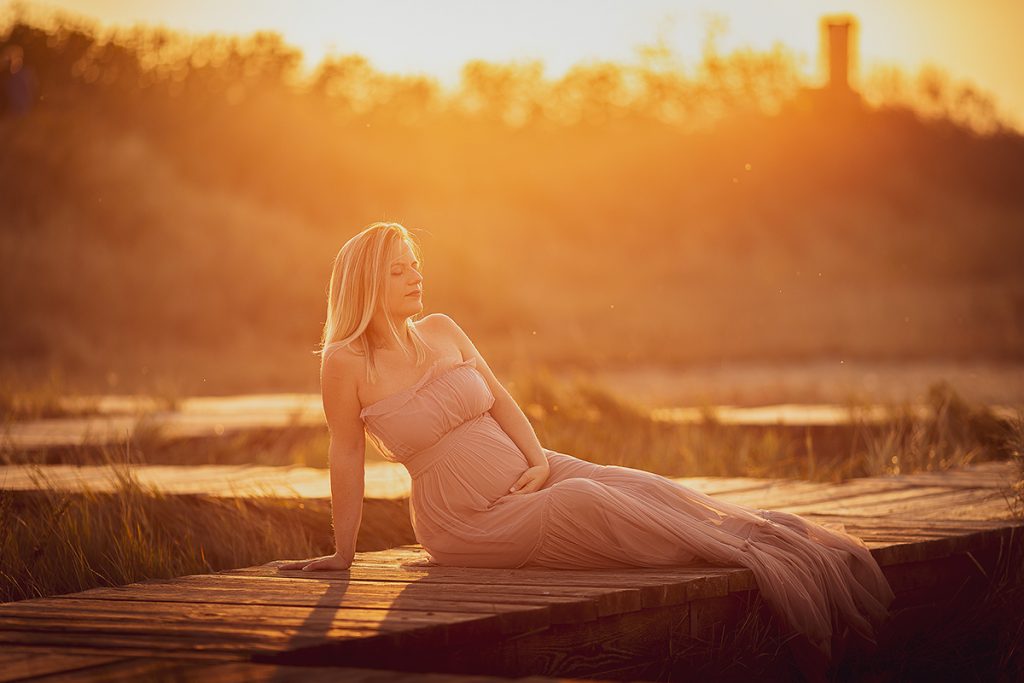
{"points": [[41, 398], [751, 648], [304, 446], [59, 542], [1015, 446], [589, 422], [911, 227], [976, 635], [54, 542]]}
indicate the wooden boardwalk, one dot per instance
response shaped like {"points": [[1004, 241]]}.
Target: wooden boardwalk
{"points": [[384, 480], [26, 664], [390, 481], [212, 417], [933, 534]]}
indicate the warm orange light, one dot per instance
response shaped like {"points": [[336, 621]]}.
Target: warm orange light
{"points": [[975, 41]]}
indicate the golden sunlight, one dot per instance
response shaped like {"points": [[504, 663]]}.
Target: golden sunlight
{"points": [[400, 295], [975, 41]]}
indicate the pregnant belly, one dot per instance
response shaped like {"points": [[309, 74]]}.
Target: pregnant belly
{"points": [[479, 465]]}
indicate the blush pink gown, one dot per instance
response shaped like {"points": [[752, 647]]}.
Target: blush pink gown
{"points": [[462, 463]]}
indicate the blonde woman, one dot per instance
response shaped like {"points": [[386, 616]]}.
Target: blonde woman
{"points": [[486, 493]]}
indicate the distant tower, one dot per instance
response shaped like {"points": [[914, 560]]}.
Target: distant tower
{"points": [[837, 97], [838, 56], [838, 51], [837, 62]]}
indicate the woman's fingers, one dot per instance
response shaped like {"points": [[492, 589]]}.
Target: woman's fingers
{"points": [[524, 480], [531, 480], [423, 562], [322, 563], [300, 564], [294, 565], [527, 484], [329, 563], [326, 562]]}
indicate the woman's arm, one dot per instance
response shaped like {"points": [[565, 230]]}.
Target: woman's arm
{"points": [[347, 482], [346, 455], [505, 410]]}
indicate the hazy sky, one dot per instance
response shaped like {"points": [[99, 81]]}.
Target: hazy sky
{"points": [[980, 41]]}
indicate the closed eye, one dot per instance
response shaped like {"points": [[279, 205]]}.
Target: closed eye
{"points": [[402, 270]]}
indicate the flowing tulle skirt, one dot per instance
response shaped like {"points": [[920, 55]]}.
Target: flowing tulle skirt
{"points": [[818, 580]]}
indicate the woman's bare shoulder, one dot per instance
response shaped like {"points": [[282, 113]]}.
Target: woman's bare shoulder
{"points": [[439, 321], [441, 325], [446, 329], [432, 319], [341, 360]]}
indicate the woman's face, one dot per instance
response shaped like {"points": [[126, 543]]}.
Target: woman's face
{"points": [[405, 284]]}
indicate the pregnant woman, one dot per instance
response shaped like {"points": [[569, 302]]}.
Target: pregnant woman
{"points": [[485, 493]]}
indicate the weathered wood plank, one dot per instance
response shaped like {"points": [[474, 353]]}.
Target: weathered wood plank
{"points": [[108, 669], [834, 494], [21, 663], [629, 642], [565, 606], [943, 547], [383, 480], [925, 533], [510, 618], [988, 476], [237, 672], [155, 644], [655, 588], [609, 598], [391, 481], [905, 502], [206, 417], [243, 619], [714, 486], [49, 666], [179, 639], [224, 630]]}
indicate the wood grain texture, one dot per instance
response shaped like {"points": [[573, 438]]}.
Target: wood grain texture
{"points": [[932, 533]]}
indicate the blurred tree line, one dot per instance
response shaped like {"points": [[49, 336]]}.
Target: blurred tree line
{"points": [[239, 110], [202, 184]]}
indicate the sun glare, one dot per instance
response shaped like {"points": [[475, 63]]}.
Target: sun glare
{"points": [[973, 41]]}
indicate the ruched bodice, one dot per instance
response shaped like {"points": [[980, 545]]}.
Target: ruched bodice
{"points": [[462, 464], [415, 419]]}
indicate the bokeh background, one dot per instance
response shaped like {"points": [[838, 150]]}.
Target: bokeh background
{"points": [[172, 200], [658, 220]]}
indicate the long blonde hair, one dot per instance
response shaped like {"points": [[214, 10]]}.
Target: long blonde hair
{"points": [[357, 288]]}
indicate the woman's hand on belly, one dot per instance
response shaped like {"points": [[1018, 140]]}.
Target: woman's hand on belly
{"points": [[531, 480]]}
